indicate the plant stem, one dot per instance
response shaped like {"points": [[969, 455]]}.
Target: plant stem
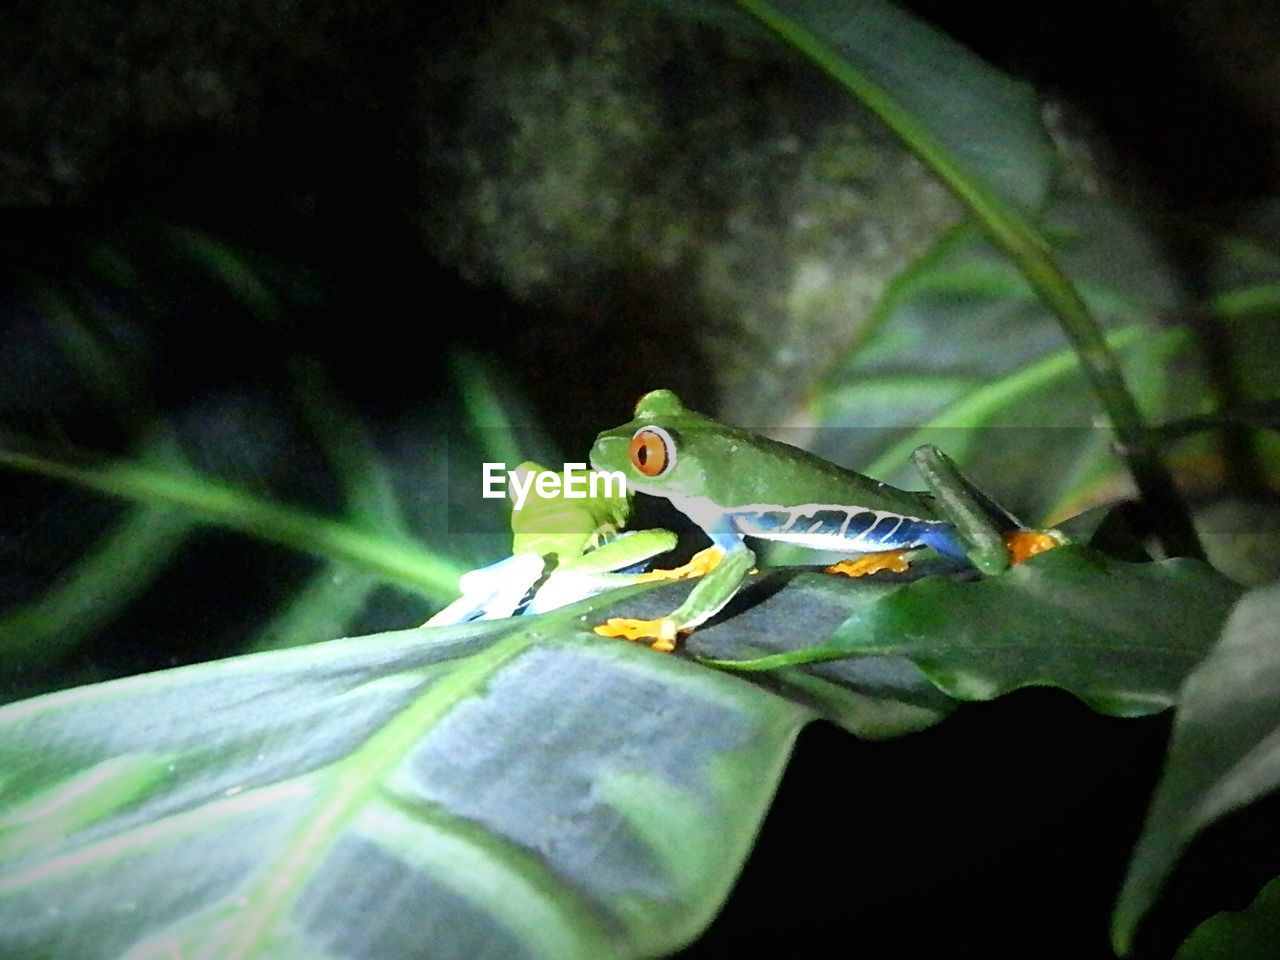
{"points": [[1169, 515], [1006, 225]]}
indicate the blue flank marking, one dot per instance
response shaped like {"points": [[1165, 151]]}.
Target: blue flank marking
{"points": [[859, 524], [880, 533], [822, 523], [831, 521], [939, 535], [864, 531], [762, 522]]}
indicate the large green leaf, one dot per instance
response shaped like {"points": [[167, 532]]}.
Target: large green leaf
{"points": [[1224, 756], [514, 788], [519, 788]]}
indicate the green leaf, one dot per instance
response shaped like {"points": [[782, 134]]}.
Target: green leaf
{"points": [[788, 610], [977, 127], [1120, 636], [337, 592], [514, 788], [90, 592], [288, 449], [215, 501], [1224, 754], [518, 789], [1249, 934]]}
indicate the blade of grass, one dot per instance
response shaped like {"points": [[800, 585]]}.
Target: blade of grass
{"points": [[337, 593], [488, 415]]}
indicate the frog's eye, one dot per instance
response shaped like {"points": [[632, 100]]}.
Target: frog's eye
{"points": [[653, 452]]}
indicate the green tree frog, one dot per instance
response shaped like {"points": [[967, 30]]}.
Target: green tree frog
{"points": [[735, 484], [563, 550]]}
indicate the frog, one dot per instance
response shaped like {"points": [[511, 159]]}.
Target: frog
{"points": [[563, 549], [734, 484]]}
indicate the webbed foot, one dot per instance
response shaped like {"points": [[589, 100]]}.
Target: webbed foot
{"points": [[662, 631], [895, 560], [702, 563], [1023, 544]]}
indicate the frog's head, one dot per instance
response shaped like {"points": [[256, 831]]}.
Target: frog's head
{"points": [[663, 451]]}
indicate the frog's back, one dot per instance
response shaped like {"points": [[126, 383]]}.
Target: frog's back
{"points": [[769, 473], [782, 493]]}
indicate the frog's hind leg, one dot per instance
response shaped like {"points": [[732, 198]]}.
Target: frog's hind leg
{"points": [[868, 563], [897, 537], [1018, 542], [982, 532], [492, 592], [1024, 544], [727, 561]]}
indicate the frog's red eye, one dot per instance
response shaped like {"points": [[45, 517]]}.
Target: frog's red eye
{"points": [[652, 451]]}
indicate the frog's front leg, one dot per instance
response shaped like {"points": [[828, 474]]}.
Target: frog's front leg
{"points": [[608, 566], [726, 562]]}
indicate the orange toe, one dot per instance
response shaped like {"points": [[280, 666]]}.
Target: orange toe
{"points": [[1024, 544]]}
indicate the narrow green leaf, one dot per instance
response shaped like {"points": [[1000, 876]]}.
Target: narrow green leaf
{"points": [[1225, 752], [978, 128], [1006, 399], [319, 610], [325, 607], [225, 264], [212, 501], [348, 449], [92, 591], [1261, 298], [488, 414]]}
